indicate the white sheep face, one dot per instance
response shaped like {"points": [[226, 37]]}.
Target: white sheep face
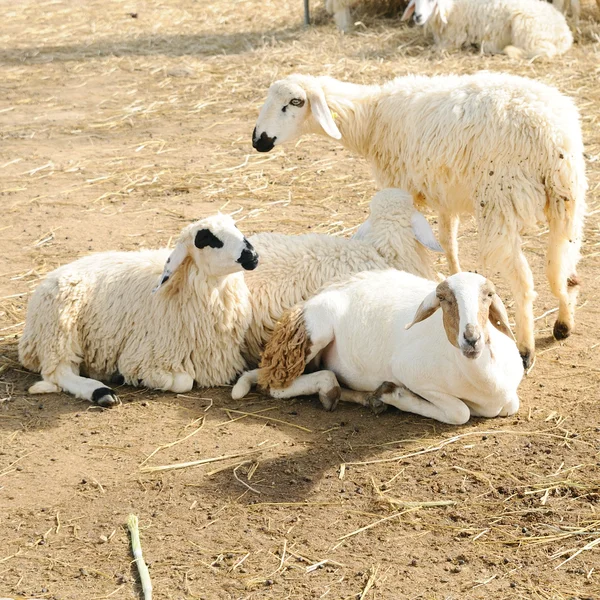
{"points": [[421, 10], [217, 247], [289, 104], [468, 301], [281, 117]]}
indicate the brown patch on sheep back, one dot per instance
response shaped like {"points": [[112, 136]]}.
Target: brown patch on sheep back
{"points": [[284, 356]]}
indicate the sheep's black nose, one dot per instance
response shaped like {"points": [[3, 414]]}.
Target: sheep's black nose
{"points": [[264, 143], [248, 258], [417, 18]]}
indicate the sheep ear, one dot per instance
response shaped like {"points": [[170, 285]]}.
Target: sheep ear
{"points": [[322, 114], [174, 261], [423, 232], [410, 9], [429, 305], [498, 317]]}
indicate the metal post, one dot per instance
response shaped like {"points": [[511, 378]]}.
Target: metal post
{"points": [[306, 13]]}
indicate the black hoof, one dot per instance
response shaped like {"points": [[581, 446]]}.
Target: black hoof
{"points": [[331, 398], [116, 379], [561, 330], [527, 359], [105, 397]]}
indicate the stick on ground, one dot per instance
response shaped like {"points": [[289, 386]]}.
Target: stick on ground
{"points": [[136, 548]]}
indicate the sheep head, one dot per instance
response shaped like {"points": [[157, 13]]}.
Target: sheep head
{"points": [[468, 302], [396, 205], [422, 10], [215, 245], [290, 103]]}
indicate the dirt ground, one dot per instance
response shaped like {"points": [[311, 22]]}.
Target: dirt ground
{"points": [[123, 120]]}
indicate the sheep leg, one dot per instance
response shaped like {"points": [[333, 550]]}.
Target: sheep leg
{"points": [[487, 409], [448, 233], [83, 387], [340, 9], [504, 253], [323, 383], [179, 383], [561, 262], [244, 384], [368, 399], [435, 405]]}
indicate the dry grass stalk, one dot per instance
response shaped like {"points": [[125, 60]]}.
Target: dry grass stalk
{"points": [[371, 525], [370, 582], [239, 412], [171, 444], [204, 461]]}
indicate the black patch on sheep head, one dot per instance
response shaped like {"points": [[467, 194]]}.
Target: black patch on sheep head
{"points": [[205, 237]]}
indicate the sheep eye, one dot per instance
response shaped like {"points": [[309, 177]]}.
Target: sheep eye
{"points": [[297, 102], [490, 294]]}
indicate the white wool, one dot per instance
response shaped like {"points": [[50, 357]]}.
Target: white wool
{"points": [[518, 28], [99, 315], [293, 268]]}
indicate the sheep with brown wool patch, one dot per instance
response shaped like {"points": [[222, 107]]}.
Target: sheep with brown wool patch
{"points": [[381, 336]]}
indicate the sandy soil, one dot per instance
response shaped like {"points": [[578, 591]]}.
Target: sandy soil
{"points": [[122, 121]]}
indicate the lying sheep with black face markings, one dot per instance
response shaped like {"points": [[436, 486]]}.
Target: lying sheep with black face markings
{"points": [[98, 316], [381, 335]]}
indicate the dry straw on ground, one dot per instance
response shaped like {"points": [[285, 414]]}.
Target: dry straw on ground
{"points": [[115, 130]]}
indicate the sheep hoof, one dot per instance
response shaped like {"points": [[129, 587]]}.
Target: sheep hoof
{"points": [[116, 379], [527, 358], [376, 405], [561, 330], [374, 400], [330, 399], [105, 397]]}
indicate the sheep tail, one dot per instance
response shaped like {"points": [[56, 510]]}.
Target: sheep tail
{"points": [[284, 357], [565, 210]]}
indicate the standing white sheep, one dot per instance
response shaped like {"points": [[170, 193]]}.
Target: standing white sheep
{"points": [[294, 267], [98, 316], [507, 149], [381, 332], [518, 28]]}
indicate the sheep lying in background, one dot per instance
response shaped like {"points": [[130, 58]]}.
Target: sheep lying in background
{"points": [[507, 149], [518, 28], [98, 315], [293, 268], [381, 332]]}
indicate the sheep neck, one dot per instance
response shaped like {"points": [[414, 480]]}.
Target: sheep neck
{"points": [[352, 107]]}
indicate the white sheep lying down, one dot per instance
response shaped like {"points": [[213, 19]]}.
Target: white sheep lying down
{"points": [[294, 267], [507, 149], [518, 28], [381, 335], [98, 316]]}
